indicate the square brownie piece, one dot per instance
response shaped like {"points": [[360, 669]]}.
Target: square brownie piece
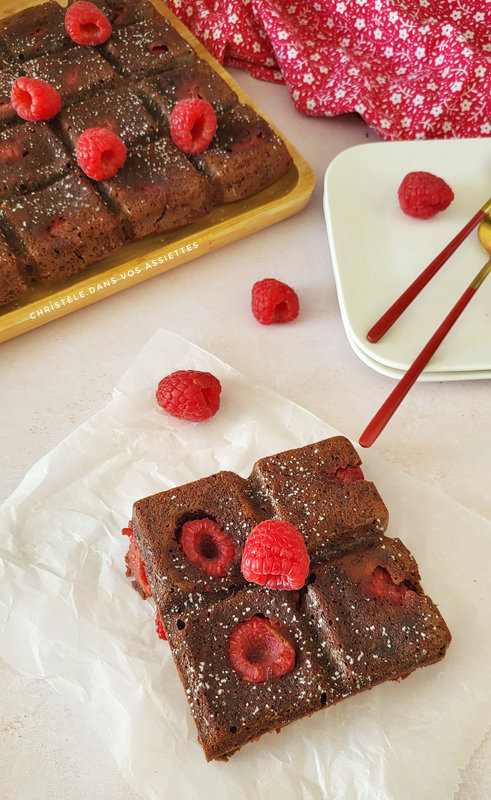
{"points": [[156, 190], [197, 79], [30, 156], [229, 709], [146, 48], [120, 111], [371, 612], [76, 73], [62, 228], [8, 115], [244, 157], [125, 12], [158, 525], [35, 31], [14, 281], [321, 490]]}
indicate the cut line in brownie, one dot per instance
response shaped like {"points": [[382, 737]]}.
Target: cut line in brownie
{"points": [[362, 618], [35, 31], [244, 157], [156, 190], [14, 281], [30, 157], [76, 73], [8, 114], [195, 80], [147, 47], [119, 111], [62, 228]]}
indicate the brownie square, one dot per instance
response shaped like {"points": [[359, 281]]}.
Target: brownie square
{"points": [[373, 615], [244, 157], [320, 489], [228, 709], [120, 111], [35, 31], [146, 48], [156, 190], [157, 525], [62, 228], [163, 91], [125, 12], [8, 115], [14, 280], [30, 156], [76, 73]]}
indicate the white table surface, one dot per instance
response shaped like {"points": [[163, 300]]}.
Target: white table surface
{"points": [[57, 376]]}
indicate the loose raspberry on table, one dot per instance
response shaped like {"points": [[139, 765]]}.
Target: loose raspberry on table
{"points": [[422, 195], [189, 394], [275, 555], [207, 546], [86, 24], [100, 153], [192, 125], [135, 564], [159, 626], [34, 100], [273, 301], [258, 651]]}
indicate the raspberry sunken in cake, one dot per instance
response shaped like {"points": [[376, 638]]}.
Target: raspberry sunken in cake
{"points": [[35, 31], [30, 157], [252, 658]]}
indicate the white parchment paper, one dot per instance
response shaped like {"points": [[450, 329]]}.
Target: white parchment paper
{"points": [[69, 615]]}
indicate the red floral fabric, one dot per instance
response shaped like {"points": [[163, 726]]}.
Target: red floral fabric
{"points": [[413, 69]]}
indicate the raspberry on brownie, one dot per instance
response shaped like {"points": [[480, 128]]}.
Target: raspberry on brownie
{"points": [[156, 190], [30, 157], [120, 111], [35, 31], [75, 73], [195, 80], [147, 47], [14, 280], [244, 157], [62, 228]]}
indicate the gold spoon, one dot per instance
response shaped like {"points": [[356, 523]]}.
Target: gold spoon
{"points": [[383, 415]]}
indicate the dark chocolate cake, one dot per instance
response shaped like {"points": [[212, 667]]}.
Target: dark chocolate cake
{"points": [[361, 618], [129, 84]]}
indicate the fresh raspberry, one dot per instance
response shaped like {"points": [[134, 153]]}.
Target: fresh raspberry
{"points": [[259, 652], [207, 546], [135, 564], [381, 585], [86, 24], [192, 125], [274, 301], [422, 195], [34, 100], [100, 153], [275, 555], [159, 626], [189, 394]]}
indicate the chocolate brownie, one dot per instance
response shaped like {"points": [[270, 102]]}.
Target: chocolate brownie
{"points": [[156, 190], [163, 91], [120, 111], [8, 115], [244, 157], [75, 73], [35, 31], [146, 48], [321, 490], [5, 60], [362, 617], [62, 228], [14, 281], [30, 157], [125, 12]]}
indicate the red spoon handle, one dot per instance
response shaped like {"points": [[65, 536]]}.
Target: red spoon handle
{"points": [[383, 415], [394, 312]]}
